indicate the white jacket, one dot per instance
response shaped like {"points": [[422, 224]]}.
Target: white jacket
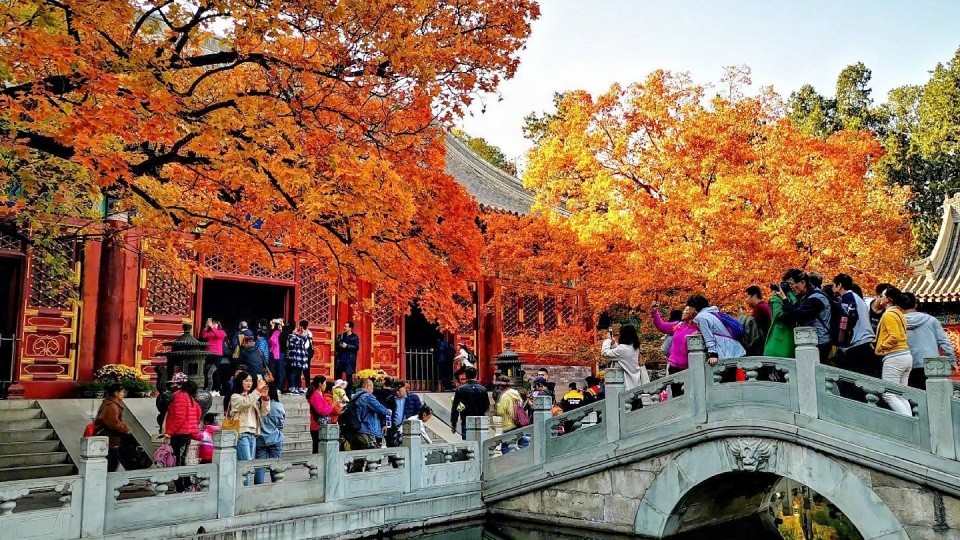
{"points": [[629, 360]]}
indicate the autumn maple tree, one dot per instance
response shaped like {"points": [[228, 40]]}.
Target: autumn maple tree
{"points": [[261, 129], [684, 192]]}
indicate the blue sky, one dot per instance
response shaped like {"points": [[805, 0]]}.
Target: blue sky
{"points": [[589, 44]]}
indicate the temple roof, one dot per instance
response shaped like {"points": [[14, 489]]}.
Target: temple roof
{"points": [[937, 278], [493, 188]]}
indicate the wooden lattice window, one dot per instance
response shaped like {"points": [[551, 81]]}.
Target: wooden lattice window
{"points": [[166, 293], [315, 297], [49, 288], [510, 314], [467, 304], [549, 312], [531, 320], [218, 263], [385, 316], [10, 242], [569, 310]]}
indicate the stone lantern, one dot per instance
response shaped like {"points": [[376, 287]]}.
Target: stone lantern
{"points": [[187, 352], [508, 364]]}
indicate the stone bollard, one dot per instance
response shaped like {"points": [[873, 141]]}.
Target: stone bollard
{"points": [[939, 408], [334, 475], [541, 413], [478, 429], [496, 426], [808, 358], [695, 388], [93, 469], [225, 456], [613, 383], [414, 444]]}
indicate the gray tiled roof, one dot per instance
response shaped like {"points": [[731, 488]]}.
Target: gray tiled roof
{"points": [[493, 188], [937, 278]]}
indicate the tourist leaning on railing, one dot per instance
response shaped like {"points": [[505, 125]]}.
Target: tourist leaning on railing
{"points": [[892, 346]]}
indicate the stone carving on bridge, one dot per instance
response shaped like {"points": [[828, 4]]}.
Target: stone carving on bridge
{"points": [[938, 367], [753, 455]]}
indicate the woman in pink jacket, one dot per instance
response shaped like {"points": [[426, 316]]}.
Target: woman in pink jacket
{"points": [[677, 358], [321, 406]]}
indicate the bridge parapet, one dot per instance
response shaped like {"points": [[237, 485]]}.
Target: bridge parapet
{"points": [[794, 399]]}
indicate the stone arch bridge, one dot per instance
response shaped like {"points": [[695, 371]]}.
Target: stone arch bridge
{"points": [[638, 465]]}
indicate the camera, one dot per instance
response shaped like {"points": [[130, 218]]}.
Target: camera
{"points": [[774, 287]]}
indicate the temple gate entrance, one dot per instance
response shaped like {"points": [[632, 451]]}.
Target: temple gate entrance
{"points": [[231, 301]]}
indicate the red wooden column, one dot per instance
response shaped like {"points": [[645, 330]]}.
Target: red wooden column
{"points": [[117, 300], [89, 286]]}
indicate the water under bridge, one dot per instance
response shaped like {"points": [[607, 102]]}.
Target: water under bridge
{"points": [[632, 465]]}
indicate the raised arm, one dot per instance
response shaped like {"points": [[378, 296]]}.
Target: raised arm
{"points": [[663, 326]]}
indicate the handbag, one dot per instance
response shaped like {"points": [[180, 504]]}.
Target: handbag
{"points": [[231, 422], [267, 374], [163, 456]]}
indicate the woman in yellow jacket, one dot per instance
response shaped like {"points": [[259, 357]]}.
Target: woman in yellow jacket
{"points": [[892, 347]]}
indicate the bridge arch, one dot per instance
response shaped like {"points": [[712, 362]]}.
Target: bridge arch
{"points": [[827, 476]]}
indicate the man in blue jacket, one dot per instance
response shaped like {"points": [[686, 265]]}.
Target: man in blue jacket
{"points": [[371, 414], [348, 343], [402, 405]]}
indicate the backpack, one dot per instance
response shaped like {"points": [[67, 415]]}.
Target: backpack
{"points": [[349, 420], [520, 413], [734, 328], [752, 339], [163, 456], [843, 317]]}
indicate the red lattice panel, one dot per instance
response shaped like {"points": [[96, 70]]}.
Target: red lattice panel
{"points": [[385, 317], [47, 290], [510, 314], [218, 263], [530, 320], [10, 242], [315, 297], [166, 295], [471, 308], [569, 310], [549, 312]]}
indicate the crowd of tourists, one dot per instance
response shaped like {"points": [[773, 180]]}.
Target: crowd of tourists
{"points": [[882, 335]]}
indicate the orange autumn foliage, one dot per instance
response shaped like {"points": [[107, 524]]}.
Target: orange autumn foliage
{"points": [[689, 194], [262, 130]]}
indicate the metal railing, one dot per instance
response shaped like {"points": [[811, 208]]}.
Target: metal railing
{"points": [[423, 374]]}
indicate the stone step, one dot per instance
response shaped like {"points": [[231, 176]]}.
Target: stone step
{"points": [[17, 448], [36, 471], [20, 460], [6, 404], [17, 425], [27, 435], [9, 415], [296, 436]]}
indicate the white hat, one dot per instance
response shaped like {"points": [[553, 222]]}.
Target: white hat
{"points": [[340, 383]]}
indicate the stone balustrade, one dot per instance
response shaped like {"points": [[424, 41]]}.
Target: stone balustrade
{"points": [[98, 504]]}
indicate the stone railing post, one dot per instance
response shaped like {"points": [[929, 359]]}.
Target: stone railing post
{"points": [[541, 413], [939, 409], [612, 411], [478, 429], [808, 358], [225, 456], [334, 475], [414, 444], [93, 469], [496, 426], [695, 388]]}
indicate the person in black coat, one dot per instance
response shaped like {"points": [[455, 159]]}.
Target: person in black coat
{"points": [[471, 399], [348, 343]]}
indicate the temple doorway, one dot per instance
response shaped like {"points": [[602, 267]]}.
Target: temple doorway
{"points": [[11, 277], [231, 301], [420, 340]]}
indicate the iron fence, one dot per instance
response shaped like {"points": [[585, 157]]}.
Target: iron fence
{"points": [[423, 374]]}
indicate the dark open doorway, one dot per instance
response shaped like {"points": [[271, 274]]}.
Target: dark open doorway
{"points": [[420, 341], [11, 277], [231, 301]]}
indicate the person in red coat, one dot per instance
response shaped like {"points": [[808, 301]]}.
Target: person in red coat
{"points": [[182, 423]]}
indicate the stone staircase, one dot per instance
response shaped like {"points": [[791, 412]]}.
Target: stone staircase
{"points": [[29, 447]]}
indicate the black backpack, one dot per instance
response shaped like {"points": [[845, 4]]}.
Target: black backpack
{"points": [[843, 317], [349, 420]]}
